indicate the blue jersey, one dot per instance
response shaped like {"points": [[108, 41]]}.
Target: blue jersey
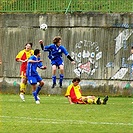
{"points": [[55, 52], [32, 67]]}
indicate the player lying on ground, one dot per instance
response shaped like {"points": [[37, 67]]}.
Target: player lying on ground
{"points": [[74, 95], [34, 62], [55, 55]]}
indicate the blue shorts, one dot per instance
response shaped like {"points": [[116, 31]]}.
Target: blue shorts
{"points": [[34, 79], [57, 62]]}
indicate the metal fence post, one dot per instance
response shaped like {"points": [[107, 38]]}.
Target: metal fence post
{"points": [[68, 6]]}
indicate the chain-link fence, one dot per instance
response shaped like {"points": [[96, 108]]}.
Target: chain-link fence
{"points": [[66, 6]]}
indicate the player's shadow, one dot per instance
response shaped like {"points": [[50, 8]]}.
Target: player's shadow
{"points": [[55, 90]]}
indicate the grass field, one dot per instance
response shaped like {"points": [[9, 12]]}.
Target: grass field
{"points": [[55, 115]]}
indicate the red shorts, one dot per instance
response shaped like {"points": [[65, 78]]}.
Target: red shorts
{"points": [[78, 101], [23, 71]]}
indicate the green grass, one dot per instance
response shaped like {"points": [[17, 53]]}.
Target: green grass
{"points": [[55, 115]]}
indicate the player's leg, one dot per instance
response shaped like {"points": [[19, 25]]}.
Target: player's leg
{"points": [[54, 75], [34, 93], [39, 87], [61, 75], [23, 85], [93, 100], [33, 82], [84, 99], [89, 99], [100, 101], [105, 100]]}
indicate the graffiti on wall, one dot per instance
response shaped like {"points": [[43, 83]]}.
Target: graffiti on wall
{"points": [[121, 40], [121, 44], [120, 74], [86, 55], [123, 25]]}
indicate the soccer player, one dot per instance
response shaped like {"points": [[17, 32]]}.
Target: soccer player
{"points": [[22, 57], [74, 95], [34, 62], [55, 55]]}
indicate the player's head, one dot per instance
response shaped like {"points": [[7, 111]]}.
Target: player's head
{"points": [[76, 81], [57, 40], [28, 46], [37, 52]]}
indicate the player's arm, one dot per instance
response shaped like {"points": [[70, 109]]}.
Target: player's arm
{"points": [[19, 56], [44, 48], [70, 58], [34, 61], [19, 60], [43, 67], [40, 65], [41, 44], [68, 94], [69, 100], [67, 54]]}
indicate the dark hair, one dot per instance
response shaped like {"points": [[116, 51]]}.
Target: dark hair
{"points": [[56, 39], [36, 51], [76, 79], [29, 43]]}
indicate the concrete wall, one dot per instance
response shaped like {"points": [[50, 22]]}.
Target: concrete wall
{"points": [[99, 43]]}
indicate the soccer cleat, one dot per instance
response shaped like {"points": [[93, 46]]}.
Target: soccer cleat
{"points": [[98, 101], [54, 84], [22, 97], [37, 102], [60, 84], [38, 98], [105, 99]]}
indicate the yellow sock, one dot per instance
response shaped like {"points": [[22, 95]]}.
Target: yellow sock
{"points": [[90, 101], [22, 87], [95, 100]]}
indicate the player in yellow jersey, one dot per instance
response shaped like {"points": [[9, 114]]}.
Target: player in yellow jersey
{"points": [[22, 57], [74, 95]]}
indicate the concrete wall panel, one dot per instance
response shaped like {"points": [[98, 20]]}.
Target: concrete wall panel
{"points": [[99, 43]]}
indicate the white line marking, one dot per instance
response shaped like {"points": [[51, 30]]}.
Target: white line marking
{"points": [[55, 121]]}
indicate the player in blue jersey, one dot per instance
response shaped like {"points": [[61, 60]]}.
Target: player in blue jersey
{"points": [[55, 55], [33, 77]]}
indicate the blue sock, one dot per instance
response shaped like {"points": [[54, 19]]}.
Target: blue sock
{"points": [[35, 95], [38, 89], [61, 79], [54, 79]]}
